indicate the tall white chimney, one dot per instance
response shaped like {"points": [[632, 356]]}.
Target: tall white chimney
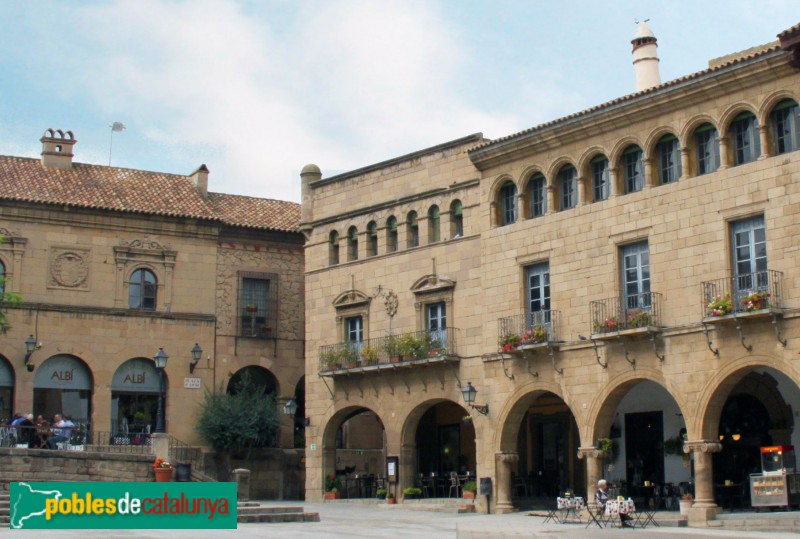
{"points": [[645, 58]]}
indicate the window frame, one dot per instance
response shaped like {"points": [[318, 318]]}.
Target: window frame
{"points": [[412, 230], [352, 244], [333, 248], [756, 277], [372, 239], [633, 169], [706, 139], [790, 133], [746, 139], [143, 286], [392, 235], [638, 252], [456, 219], [568, 187], [508, 203], [251, 324], [537, 189], [601, 178], [668, 153], [434, 224]]}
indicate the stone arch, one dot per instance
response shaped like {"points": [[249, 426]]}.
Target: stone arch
{"points": [[619, 148], [769, 102], [7, 384], [261, 376], [514, 410], [717, 390], [730, 112], [586, 157], [693, 123], [655, 136], [529, 173], [556, 166]]}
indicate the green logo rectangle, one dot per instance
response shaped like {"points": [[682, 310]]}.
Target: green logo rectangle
{"points": [[94, 505]]}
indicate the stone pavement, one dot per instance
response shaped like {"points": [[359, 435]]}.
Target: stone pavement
{"points": [[372, 521]]}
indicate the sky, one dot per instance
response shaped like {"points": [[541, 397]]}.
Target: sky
{"points": [[258, 89]]}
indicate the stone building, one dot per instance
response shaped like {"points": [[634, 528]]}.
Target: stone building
{"points": [[113, 265], [611, 284]]}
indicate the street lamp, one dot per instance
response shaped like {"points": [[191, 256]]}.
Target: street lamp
{"points": [[196, 353], [161, 363], [290, 409], [469, 393], [31, 345]]}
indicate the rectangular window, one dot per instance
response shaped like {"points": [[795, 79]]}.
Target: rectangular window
{"points": [[636, 276], [746, 139], [749, 241], [600, 180], [354, 329], [538, 294], [258, 305], [436, 315]]}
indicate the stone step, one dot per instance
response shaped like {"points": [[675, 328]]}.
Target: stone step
{"points": [[265, 510], [278, 517]]}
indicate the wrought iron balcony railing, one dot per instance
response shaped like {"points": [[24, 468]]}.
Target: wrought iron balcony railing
{"points": [[741, 294], [629, 312], [416, 346], [520, 331]]}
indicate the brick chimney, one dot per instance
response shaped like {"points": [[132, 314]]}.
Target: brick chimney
{"points": [[57, 149], [199, 179]]}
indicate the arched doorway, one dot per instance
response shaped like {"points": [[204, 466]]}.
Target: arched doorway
{"points": [[6, 391], [134, 397], [260, 376], [547, 445], [63, 385], [355, 454], [758, 411]]}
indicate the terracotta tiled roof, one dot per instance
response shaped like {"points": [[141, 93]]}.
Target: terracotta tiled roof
{"points": [[137, 191], [253, 212], [788, 31], [628, 97]]}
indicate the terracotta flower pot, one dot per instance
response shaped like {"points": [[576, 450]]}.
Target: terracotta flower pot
{"points": [[332, 495], [469, 495], [163, 475]]}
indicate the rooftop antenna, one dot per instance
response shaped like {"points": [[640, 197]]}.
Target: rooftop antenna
{"points": [[115, 127]]}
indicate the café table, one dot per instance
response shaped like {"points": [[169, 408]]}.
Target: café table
{"points": [[616, 508], [570, 508]]}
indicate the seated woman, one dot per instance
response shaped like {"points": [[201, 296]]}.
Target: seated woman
{"points": [[601, 498]]}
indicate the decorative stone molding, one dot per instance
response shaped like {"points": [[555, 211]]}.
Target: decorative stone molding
{"points": [[702, 446], [69, 268], [590, 453], [144, 243], [144, 252]]}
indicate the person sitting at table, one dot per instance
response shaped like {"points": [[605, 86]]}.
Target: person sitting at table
{"points": [[601, 497]]}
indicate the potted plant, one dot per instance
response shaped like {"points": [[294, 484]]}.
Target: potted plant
{"points": [[327, 360], [607, 325], [535, 335], [332, 484], [756, 300], [381, 493], [412, 493], [394, 348], [162, 470], [390, 498], [138, 420], [413, 347], [509, 342], [673, 446], [719, 305], [370, 355], [638, 318], [608, 447], [470, 488], [686, 502]]}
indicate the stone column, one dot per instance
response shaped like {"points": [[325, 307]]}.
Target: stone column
{"points": [[424, 223], [650, 179], [402, 235], [724, 160], [502, 487], [582, 183], [685, 172], [594, 471], [446, 231], [551, 200], [763, 135], [382, 233], [704, 508], [612, 179], [408, 460]]}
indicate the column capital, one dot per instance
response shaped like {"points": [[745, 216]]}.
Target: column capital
{"points": [[590, 452], [507, 456], [702, 446]]}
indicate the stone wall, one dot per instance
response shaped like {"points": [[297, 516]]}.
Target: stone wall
{"points": [[275, 474], [46, 465]]}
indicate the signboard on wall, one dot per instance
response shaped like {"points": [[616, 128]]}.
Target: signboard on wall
{"points": [[392, 465], [192, 383]]}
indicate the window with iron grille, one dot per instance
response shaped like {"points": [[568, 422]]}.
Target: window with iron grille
{"points": [[258, 305]]}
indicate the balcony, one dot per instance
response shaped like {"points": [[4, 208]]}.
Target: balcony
{"points": [[749, 296], [529, 331], [390, 352], [631, 315]]}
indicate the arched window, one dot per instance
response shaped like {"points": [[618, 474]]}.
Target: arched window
{"points": [[456, 219], [706, 138], [633, 169], [333, 248], [601, 184], [372, 239], [668, 153], [746, 139], [508, 204], [142, 290], [391, 234], [568, 187], [412, 230], [537, 189], [786, 126], [434, 234], [352, 244]]}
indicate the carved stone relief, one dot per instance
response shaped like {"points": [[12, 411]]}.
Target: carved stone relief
{"points": [[69, 268]]}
